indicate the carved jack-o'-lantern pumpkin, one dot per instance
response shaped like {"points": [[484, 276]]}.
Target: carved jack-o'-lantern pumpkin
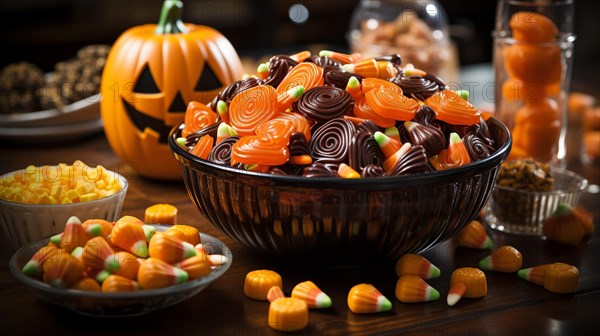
{"points": [[150, 75]]}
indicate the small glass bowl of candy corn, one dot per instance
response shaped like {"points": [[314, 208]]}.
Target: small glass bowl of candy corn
{"points": [[55, 276], [527, 192], [36, 202]]}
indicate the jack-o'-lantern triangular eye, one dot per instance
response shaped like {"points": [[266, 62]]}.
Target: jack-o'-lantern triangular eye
{"points": [[146, 83], [208, 81]]}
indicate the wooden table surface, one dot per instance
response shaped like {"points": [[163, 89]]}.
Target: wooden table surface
{"points": [[512, 306]]}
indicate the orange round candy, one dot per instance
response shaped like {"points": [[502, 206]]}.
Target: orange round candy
{"points": [[203, 147], [453, 109], [301, 124], [532, 27], [371, 83], [537, 130], [532, 63], [391, 104], [278, 130], [544, 111], [197, 116], [306, 74], [252, 107], [364, 111], [515, 90], [259, 150]]}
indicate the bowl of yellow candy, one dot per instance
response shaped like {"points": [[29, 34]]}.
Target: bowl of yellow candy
{"points": [[36, 202]]}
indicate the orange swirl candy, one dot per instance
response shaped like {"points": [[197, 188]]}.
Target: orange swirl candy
{"points": [[453, 109], [301, 124], [391, 104], [371, 83], [203, 147], [364, 111], [277, 130], [197, 116], [251, 107], [259, 150], [309, 75]]}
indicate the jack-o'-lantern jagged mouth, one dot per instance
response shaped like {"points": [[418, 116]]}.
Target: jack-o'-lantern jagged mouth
{"points": [[142, 121]]}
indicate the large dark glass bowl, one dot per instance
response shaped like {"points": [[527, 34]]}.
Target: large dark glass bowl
{"points": [[338, 220]]}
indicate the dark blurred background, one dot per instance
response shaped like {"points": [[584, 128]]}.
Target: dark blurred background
{"points": [[48, 31]]}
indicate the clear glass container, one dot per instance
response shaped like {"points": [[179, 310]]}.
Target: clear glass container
{"points": [[415, 29]]}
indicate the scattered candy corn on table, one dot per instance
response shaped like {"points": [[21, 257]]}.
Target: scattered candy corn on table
{"points": [[511, 305]]}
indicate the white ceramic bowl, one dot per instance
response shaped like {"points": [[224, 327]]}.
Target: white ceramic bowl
{"points": [[23, 223]]}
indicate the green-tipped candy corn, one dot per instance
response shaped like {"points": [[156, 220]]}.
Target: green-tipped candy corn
{"points": [[181, 142], [149, 231], [262, 68], [222, 108], [326, 53], [95, 230], [296, 92], [56, 239], [353, 83], [464, 94]]}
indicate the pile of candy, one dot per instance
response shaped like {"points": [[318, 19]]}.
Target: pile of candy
{"points": [[291, 313], [127, 255], [337, 115], [61, 184], [525, 174]]}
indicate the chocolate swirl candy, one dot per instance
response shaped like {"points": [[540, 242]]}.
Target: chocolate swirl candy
{"points": [[221, 152], [323, 61], [331, 141], [320, 169], [192, 139], [324, 103], [340, 79], [298, 144], [431, 138], [394, 58], [368, 126], [279, 66], [246, 84], [413, 162], [424, 115], [364, 151], [416, 86], [372, 171], [475, 146], [441, 84], [225, 95]]}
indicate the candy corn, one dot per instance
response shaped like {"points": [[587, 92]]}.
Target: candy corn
{"points": [[97, 227], [365, 298], [567, 225], [224, 131], [189, 233], [34, 266], [98, 255], [288, 314], [301, 56], [196, 266], [117, 283], [129, 235], [128, 264], [393, 133], [314, 297], [411, 288], [169, 249], [393, 160], [534, 274], [505, 259], [414, 264], [86, 284], [263, 71], [73, 236], [385, 70], [223, 111], [62, 270], [388, 145], [473, 235], [561, 278], [346, 171], [340, 57], [161, 214], [353, 87], [258, 283], [275, 293], [365, 68], [456, 155], [468, 282], [155, 273], [285, 100]]}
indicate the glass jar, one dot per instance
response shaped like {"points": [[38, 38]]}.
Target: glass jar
{"points": [[415, 29]]}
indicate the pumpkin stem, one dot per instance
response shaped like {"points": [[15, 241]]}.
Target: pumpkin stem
{"points": [[170, 18]]}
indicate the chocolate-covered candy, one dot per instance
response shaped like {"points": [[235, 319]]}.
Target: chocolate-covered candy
{"points": [[372, 171], [324, 103], [364, 151], [413, 162], [368, 126], [279, 66], [475, 146], [431, 138], [192, 139], [298, 144], [221, 152], [331, 141], [394, 58], [424, 115], [323, 61], [441, 84], [320, 169], [416, 86], [340, 78], [232, 90]]}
